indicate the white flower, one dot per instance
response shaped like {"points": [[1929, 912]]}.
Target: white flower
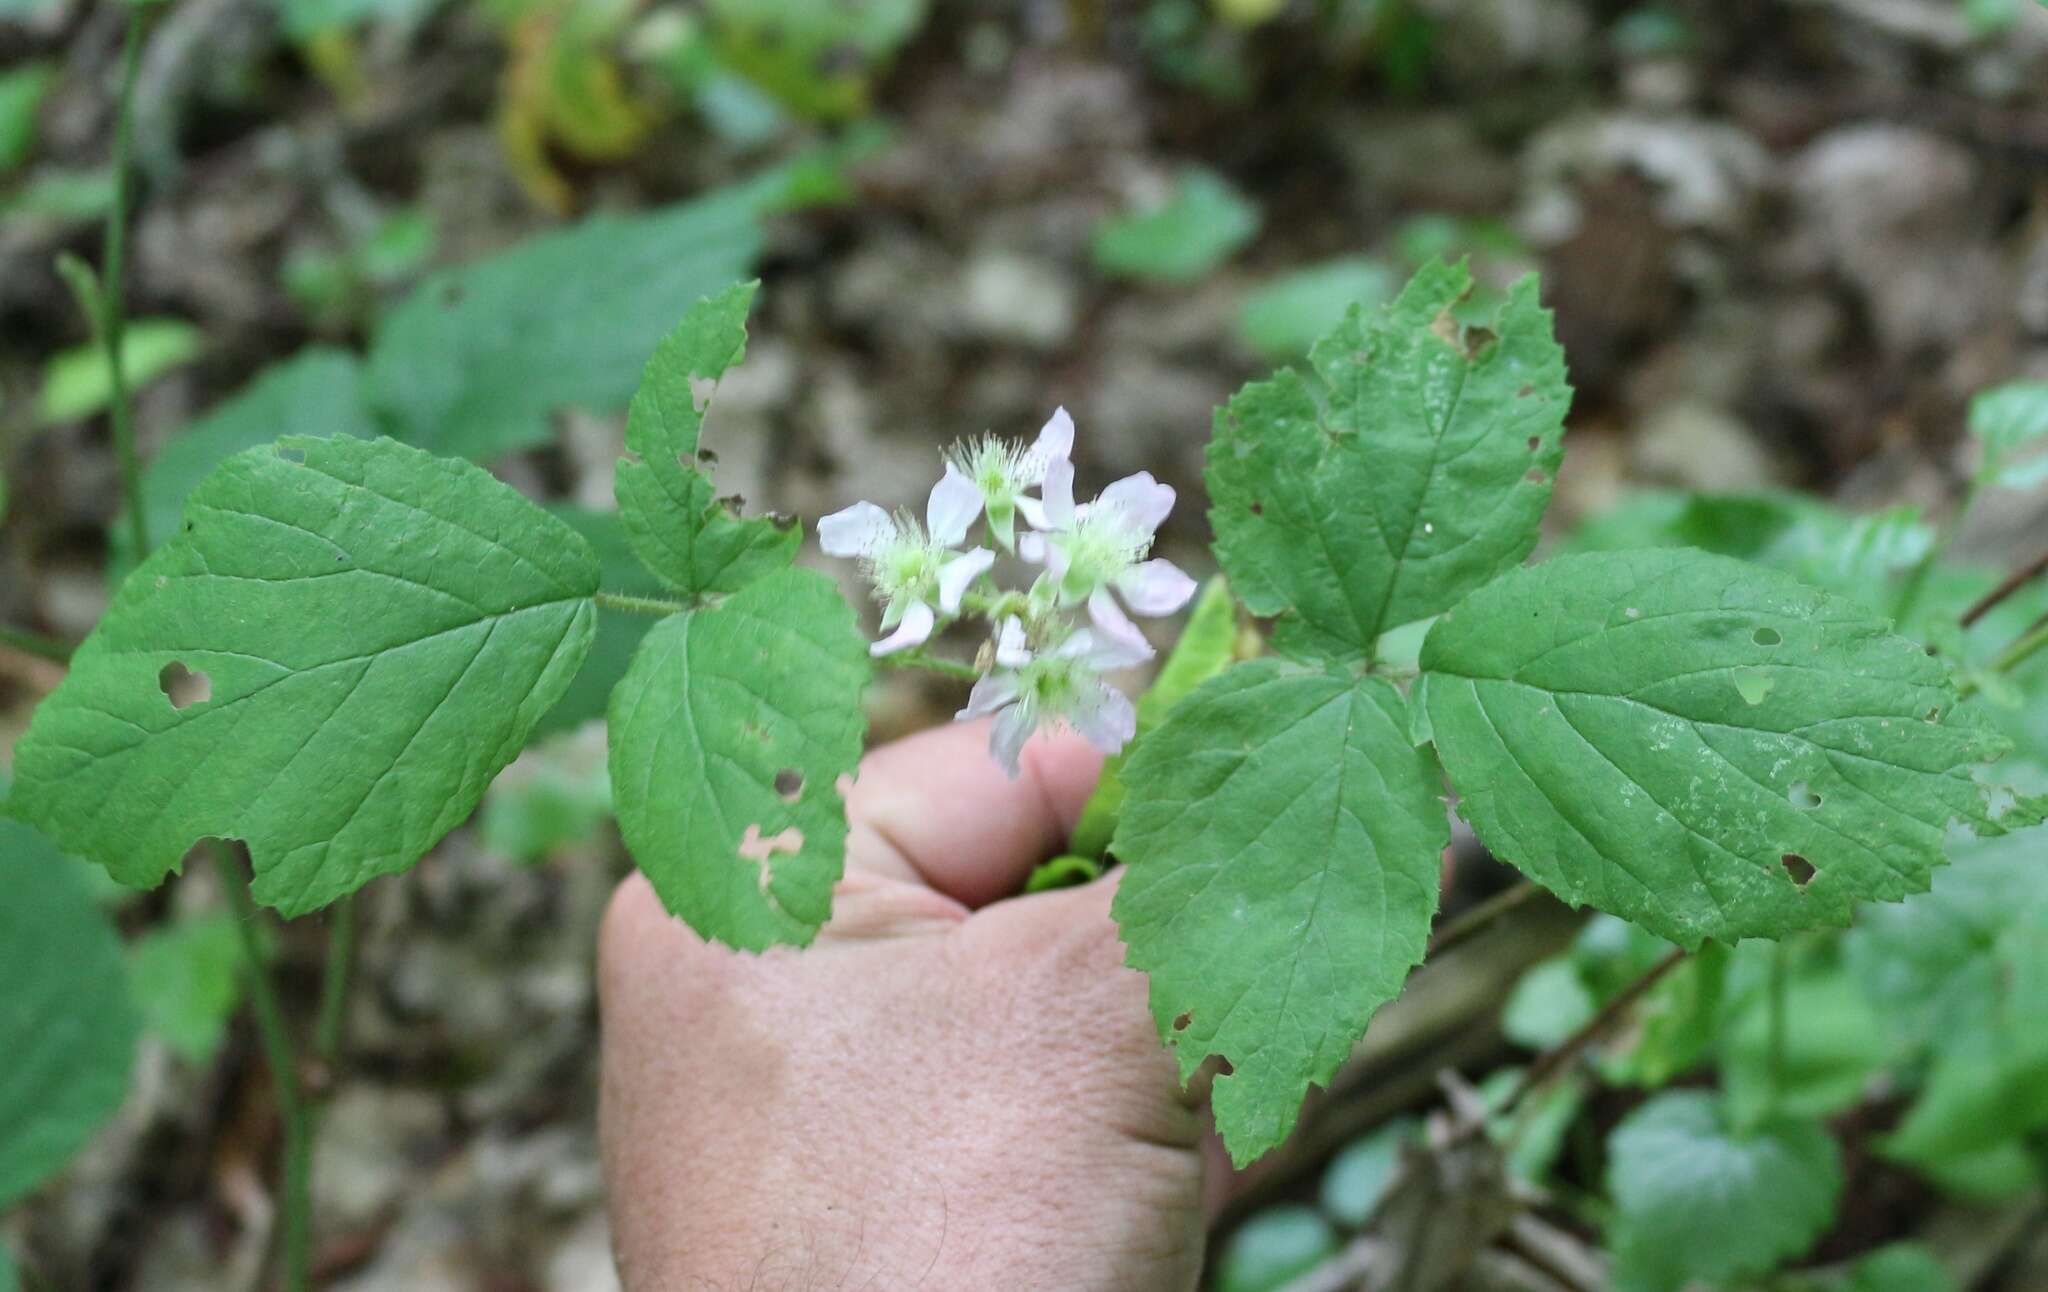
{"points": [[911, 566], [999, 472], [1030, 690], [1090, 549]]}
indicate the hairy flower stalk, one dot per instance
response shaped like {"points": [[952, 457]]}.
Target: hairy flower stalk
{"points": [[1042, 668]]}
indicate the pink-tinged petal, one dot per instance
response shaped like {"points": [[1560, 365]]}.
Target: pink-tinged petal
{"points": [[1034, 512], [1031, 546], [1115, 634], [956, 575], [1056, 495], [989, 694], [1012, 649], [1156, 587], [1105, 716], [1006, 742], [1056, 559], [915, 629], [855, 531], [1055, 443], [954, 504], [1142, 501]]}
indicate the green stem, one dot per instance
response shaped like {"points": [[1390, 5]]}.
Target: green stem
{"points": [[1553, 1061], [2030, 644], [295, 1206], [1780, 986], [111, 321], [341, 941], [638, 605], [36, 644], [931, 664]]}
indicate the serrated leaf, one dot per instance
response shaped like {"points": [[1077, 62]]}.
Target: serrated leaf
{"points": [[187, 979], [1415, 467], [477, 359], [1206, 647], [1695, 1202], [1283, 841], [378, 630], [1201, 223], [316, 392], [67, 1026], [1675, 738], [729, 736], [682, 530], [2008, 421]]}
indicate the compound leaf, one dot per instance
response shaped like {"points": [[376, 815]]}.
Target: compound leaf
{"points": [[1415, 467], [67, 1025], [365, 635], [1704, 747], [680, 528], [1283, 838], [729, 736], [1696, 1201], [477, 359]]}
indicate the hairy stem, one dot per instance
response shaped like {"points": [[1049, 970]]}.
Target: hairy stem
{"points": [[1553, 1060], [1482, 917], [931, 664], [638, 605], [295, 1207], [110, 321], [29, 643]]}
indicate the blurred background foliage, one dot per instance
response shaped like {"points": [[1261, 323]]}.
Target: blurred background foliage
{"points": [[1787, 242]]}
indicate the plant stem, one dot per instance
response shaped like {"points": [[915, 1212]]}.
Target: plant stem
{"points": [[2029, 644], [295, 1206], [111, 321], [638, 605], [2012, 583], [1553, 1060], [1481, 917], [341, 942], [931, 664], [36, 644], [1780, 989]]}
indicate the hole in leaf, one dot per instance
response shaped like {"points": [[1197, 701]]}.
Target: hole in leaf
{"points": [[1181, 1024], [1535, 441], [733, 503], [789, 783], [1934, 714], [1258, 508], [1801, 796], [1524, 393], [182, 687], [1767, 637], [755, 846], [707, 457], [1753, 684], [1534, 475], [1799, 868], [1476, 340], [291, 454]]}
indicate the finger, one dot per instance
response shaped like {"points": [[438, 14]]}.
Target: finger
{"points": [[936, 809]]}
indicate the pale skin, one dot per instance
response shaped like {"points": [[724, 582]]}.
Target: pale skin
{"points": [[952, 1088]]}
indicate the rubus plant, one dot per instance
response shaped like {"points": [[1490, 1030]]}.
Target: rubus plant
{"points": [[347, 639]]}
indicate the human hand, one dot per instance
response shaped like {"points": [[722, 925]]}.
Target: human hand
{"points": [[952, 1088]]}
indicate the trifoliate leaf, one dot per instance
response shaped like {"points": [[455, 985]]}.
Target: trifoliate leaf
{"points": [[2008, 421], [1702, 746], [1201, 223], [1412, 469], [477, 359], [1283, 840], [188, 982], [315, 392], [1273, 1248], [729, 737], [1206, 647], [346, 642], [67, 1025], [690, 538], [1696, 1202]]}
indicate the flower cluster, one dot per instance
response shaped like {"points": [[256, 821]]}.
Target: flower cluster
{"points": [[1042, 666]]}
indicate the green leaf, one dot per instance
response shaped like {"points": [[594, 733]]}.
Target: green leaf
{"points": [[477, 359], [9, 1280], [1674, 738], [1357, 1178], [1548, 1004], [1413, 469], [1206, 647], [1273, 1248], [729, 737], [1901, 1267], [67, 1026], [619, 632], [77, 383], [1199, 225], [378, 631], [1532, 1134], [21, 96], [693, 541], [1284, 319], [187, 979], [555, 794], [316, 392], [1695, 1202], [2008, 421], [1283, 839], [1835, 1045]]}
